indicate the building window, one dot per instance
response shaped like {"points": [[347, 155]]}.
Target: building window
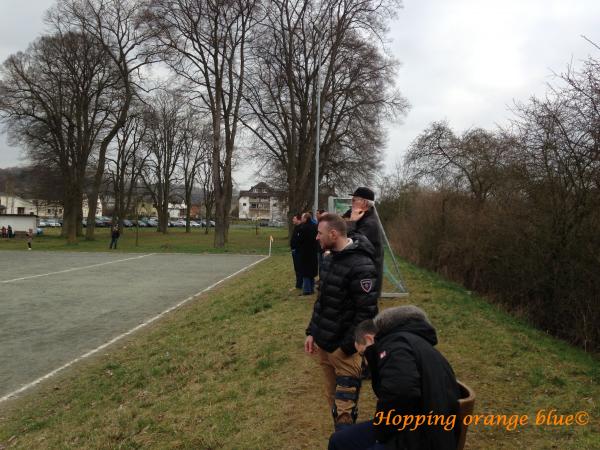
{"points": [[243, 204], [49, 211], [20, 210], [274, 205]]}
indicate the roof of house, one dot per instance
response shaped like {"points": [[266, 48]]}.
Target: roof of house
{"points": [[263, 186]]}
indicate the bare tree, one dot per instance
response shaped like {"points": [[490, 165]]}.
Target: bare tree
{"points": [[195, 152], [165, 123], [208, 193], [204, 41], [114, 24], [357, 92], [126, 162], [55, 99]]}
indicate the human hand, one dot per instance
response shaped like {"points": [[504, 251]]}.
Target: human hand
{"points": [[309, 345], [356, 214]]}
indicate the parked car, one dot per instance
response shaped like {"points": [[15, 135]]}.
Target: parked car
{"points": [[151, 222], [42, 223], [127, 223], [194, 224], [53, 223]]}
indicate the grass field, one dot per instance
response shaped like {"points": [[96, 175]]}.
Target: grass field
{"points": [[241, 240], [228, 371]]}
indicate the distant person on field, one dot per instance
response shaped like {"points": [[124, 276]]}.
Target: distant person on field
{"points": [[3, 231], [10, 232], [308, 250], [410, 378], [115, 233], [346, 298], [363, 219], [29, 238], [296, 221]]}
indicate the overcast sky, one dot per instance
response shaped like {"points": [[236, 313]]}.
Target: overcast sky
{"points": [[465, 61]]}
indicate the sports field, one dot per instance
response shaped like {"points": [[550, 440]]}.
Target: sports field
{"points": [[56, 307]]}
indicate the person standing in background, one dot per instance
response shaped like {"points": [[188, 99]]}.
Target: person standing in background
{"points": [[296, 221], [114, 237], [363, 220], [308, 253], [29, 237]]}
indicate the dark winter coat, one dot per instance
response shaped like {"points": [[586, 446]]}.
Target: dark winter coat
{"points": [[115, 233], [307, 250], [368, 226], [294, 247], [347, 296], [409, 376]]}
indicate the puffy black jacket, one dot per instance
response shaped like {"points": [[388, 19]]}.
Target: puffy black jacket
{"points": [[347, 296], [368, 226], [409, 376]]}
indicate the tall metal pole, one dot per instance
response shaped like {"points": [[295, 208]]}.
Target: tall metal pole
{"points": [[318, 133]]}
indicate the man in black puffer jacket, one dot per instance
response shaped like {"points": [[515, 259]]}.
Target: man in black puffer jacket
{"points": [[347, 296], [417, 392]]}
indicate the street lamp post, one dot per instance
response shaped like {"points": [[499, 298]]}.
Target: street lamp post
{"points": [[318, 128]]}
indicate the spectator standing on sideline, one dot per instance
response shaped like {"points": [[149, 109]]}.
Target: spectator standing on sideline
{"points": [[364, 220], [409, 377], [29, 238], [320, 214], [346, 298], [296, 221], [10, 232], [308, 249], [114, 235], [3, 231]]}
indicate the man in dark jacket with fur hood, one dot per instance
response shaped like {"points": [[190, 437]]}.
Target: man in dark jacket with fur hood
{"points": [[346, 297], [417, 392]]}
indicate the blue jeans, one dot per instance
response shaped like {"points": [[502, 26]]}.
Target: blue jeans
{"points": [[355, 437], [308, 285]]}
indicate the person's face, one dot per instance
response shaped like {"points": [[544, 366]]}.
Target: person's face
{"points": [[326, 236], [359, 203], [369, 340], [295, 220]]}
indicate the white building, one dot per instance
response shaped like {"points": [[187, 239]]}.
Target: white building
{"points": [[18, 222], [262, 203], [12, 204], [177, 210]]}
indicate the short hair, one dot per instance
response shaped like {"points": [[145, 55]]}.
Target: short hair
{"points": [[335, 222], [364, 328], [298, 216], [321, 211], [392, 317]]}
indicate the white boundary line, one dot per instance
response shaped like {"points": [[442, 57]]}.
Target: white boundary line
{"points": [[75, 268], [121, 336]]}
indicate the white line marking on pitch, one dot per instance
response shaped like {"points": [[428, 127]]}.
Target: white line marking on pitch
{"points": [[75, 268], [121, 336]]}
